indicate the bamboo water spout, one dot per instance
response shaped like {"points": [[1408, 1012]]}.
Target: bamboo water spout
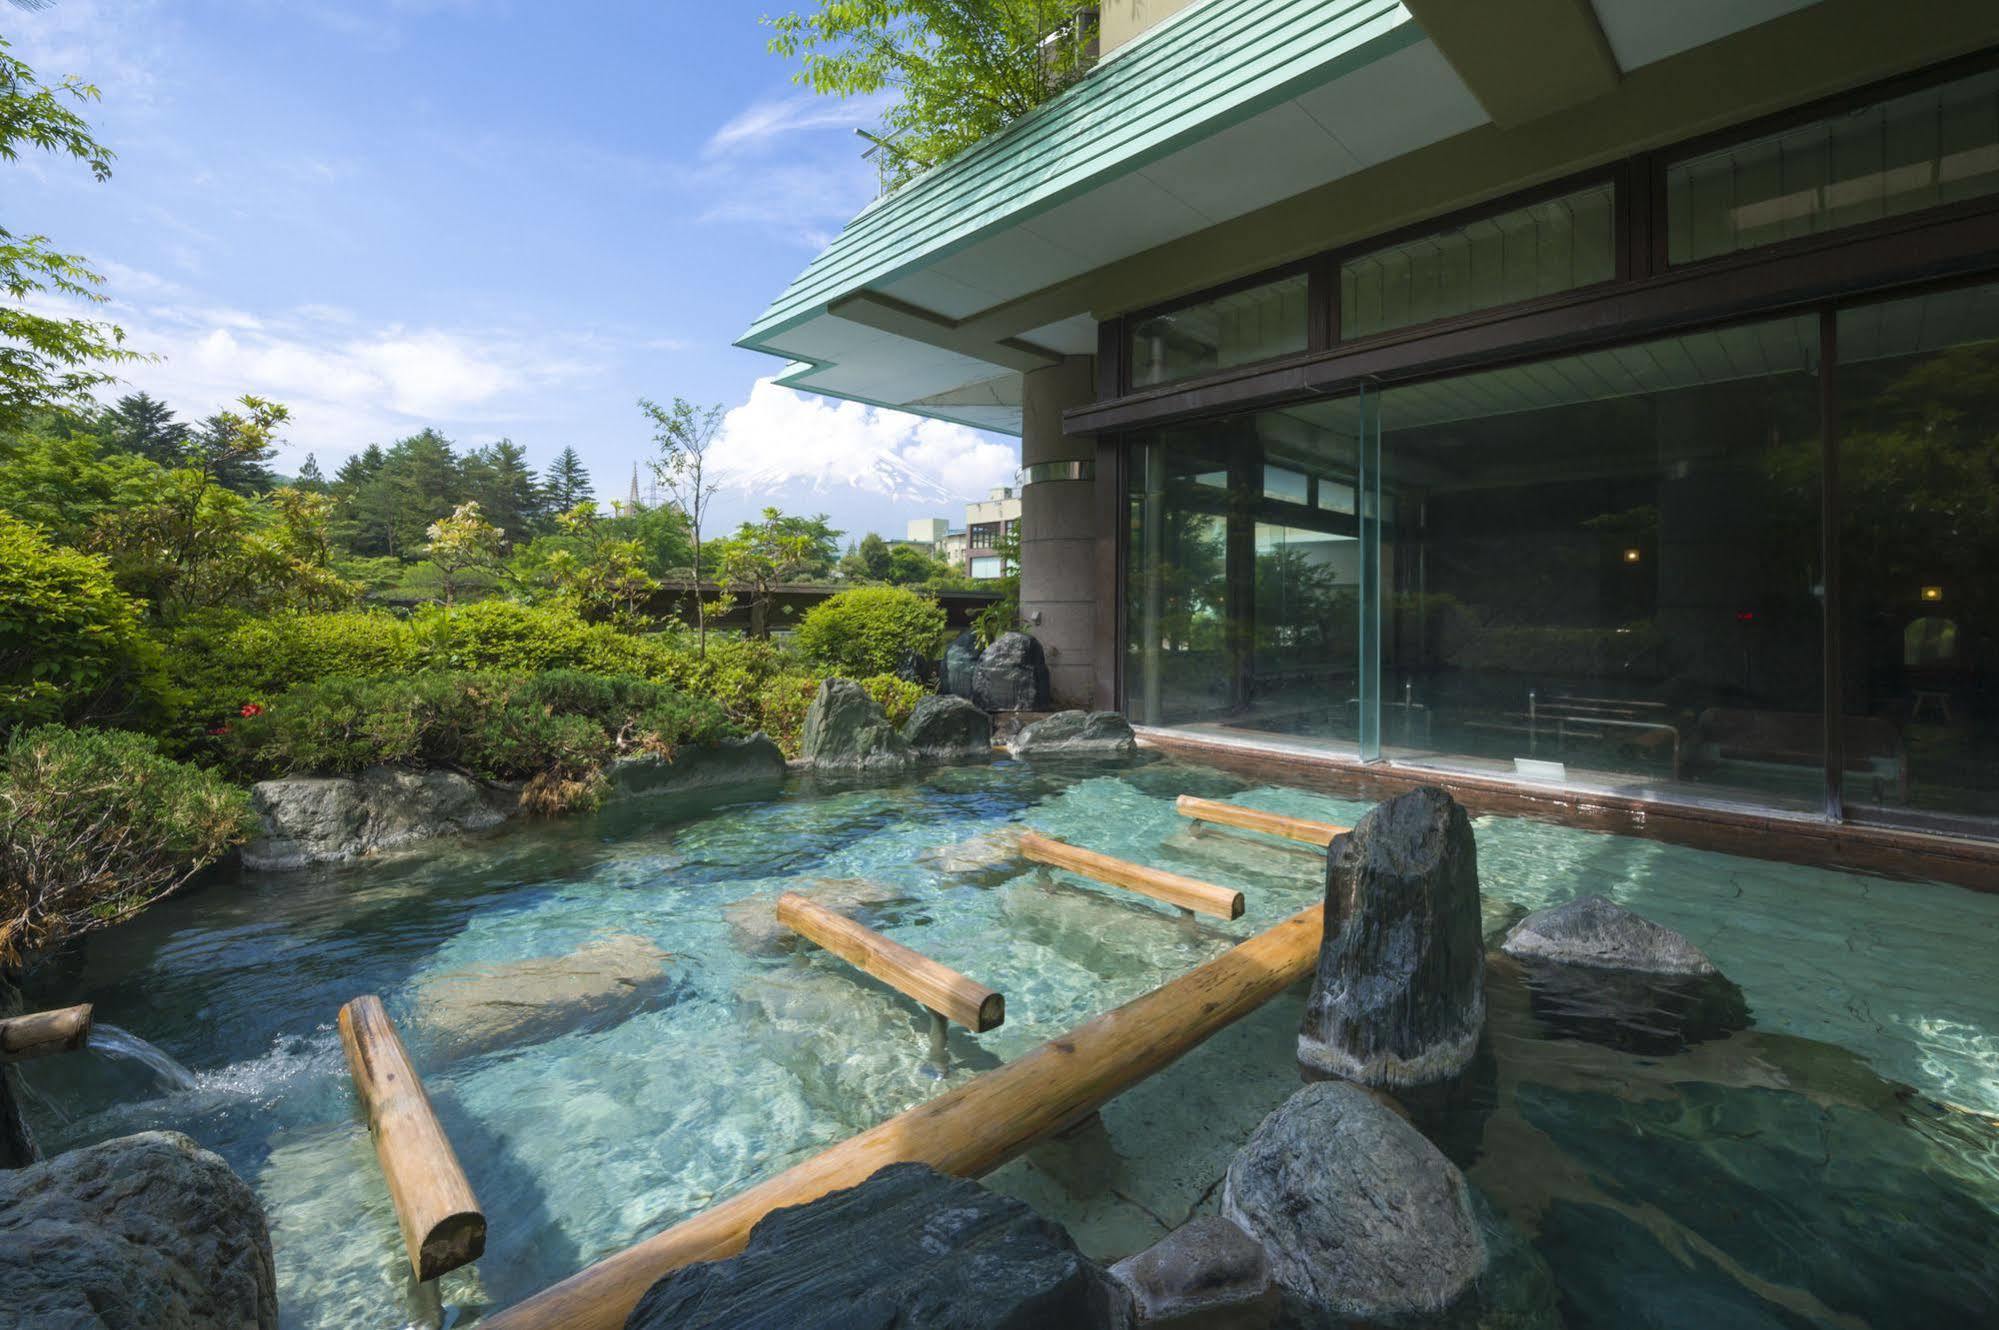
{"points": [[40, 1033], [1255, 819], [968, 1131], [443, 1227], [1186, 892]]}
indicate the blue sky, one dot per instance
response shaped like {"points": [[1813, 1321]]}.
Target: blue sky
{"points": [[495, 217]]}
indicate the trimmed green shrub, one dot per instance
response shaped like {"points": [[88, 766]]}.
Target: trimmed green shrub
{"points": [[526, 639], [555, 730], [897, 697], [863, 632], [97, 825], [70, 642], [780, 706]]}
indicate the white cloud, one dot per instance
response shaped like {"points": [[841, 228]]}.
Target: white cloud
{"points": [[759, 124], [780, 436]]}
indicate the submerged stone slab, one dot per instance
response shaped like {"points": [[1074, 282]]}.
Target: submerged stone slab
{"points": [[1362, 1217], [909, 1247], [1076, 734], [988, 854], [327, 819], [1012, 675], [529, 1001], [845, 729], [949, 729], [1205, 1275], [146, 1232], [751, 760], [753, 924], [1398, 997]]}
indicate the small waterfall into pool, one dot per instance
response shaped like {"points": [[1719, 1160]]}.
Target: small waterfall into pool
{"points": [[115, 1041]]}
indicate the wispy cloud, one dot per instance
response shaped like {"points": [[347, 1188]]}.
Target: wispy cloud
{"points": [[761, 124]]}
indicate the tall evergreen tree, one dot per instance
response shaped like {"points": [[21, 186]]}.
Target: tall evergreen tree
{"points": [[212, 446], [568, 484], [142, 424], [358, 470], [309, 478], [498, 479]]}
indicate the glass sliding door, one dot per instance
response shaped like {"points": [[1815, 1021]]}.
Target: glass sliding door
{"points": [[1244, 574], [1603, 570], [1918, 395]]}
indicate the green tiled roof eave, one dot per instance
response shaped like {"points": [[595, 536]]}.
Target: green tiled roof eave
{"points": [[1223, 62], [798, 374]]}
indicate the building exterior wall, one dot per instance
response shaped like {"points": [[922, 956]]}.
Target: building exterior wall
{"points": [[1122, 20]]}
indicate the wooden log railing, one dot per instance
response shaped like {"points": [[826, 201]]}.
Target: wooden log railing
{"points": [[443, 1227], [1255, 819], [945, 992], [40, 1033], [1186, 892], [966, 1132]]}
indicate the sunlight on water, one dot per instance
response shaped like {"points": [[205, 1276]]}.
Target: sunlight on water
{"points": [[685, 1047]]}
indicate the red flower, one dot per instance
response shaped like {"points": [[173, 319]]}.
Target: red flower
{"points": [[253, 709], [219, 729]]}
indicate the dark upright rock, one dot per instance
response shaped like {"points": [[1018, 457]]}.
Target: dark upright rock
{"points": [[845, 729], [949, 729], [1012, 675], [909, 1247], [146, 1232], [961, 657], [1399, 995], [915, 667]]}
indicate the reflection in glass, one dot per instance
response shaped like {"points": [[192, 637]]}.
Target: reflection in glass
{"points": [[1603, 569], [1244, 574], [1240, 328], [1935, 146], [1919, 551]]}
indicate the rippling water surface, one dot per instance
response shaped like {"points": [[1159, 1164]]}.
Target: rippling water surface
{"points": [[1835, 1164]]}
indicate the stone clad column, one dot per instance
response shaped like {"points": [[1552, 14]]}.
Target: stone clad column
{"points": [[1058, 536]]}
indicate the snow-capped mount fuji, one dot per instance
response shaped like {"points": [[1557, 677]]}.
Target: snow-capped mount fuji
{"points": [[866, 468]]}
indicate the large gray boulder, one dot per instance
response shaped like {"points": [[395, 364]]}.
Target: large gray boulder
{"points": [[754, 760], [1076, 734], [961, 657], [522, 1002], [1363, 1219], [845, 729], [1596, 971], [949, 729], [146, 1232], [908, 1247], [1205, 1275], [326, 819], [1012, 675], [1398, 998], [1602, 934]]}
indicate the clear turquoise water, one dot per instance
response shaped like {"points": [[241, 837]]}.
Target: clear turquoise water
{"points": [[1835, 1164]]}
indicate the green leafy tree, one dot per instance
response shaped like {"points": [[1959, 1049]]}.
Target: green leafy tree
{"points": [[65, 483], [875, 560], [763, 555], [567, 484], [71, 646], [960, 69], [908, 566], [217, 448], [864, 632], [590, 566], [465, 542], [683, 435], [48, 362]]}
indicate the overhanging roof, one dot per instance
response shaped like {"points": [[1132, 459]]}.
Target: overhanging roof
{"points": [[937, 296]]}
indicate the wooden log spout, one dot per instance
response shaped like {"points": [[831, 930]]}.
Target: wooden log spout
{"points": [[443, 1227], [1255, 819], [1186, 892], [968, 1131], [40, 1033], [911, 973]]}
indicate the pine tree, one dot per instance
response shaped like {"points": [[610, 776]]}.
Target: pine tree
{"points": [[568, 483], [497, 478], [211, 445], [309, 478], [142, 424]]}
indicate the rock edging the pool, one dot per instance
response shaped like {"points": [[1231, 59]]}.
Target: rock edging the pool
{"points": [[330, 819]]}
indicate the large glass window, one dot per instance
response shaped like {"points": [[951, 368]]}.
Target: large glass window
{"points": [[1935, 146], [1556, 245], [1242, 606], [1240, 328], [1918, 388], [1603, 570]]}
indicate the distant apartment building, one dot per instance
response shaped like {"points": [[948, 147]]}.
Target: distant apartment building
{"points": [[928, 531], [986, 523]]}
